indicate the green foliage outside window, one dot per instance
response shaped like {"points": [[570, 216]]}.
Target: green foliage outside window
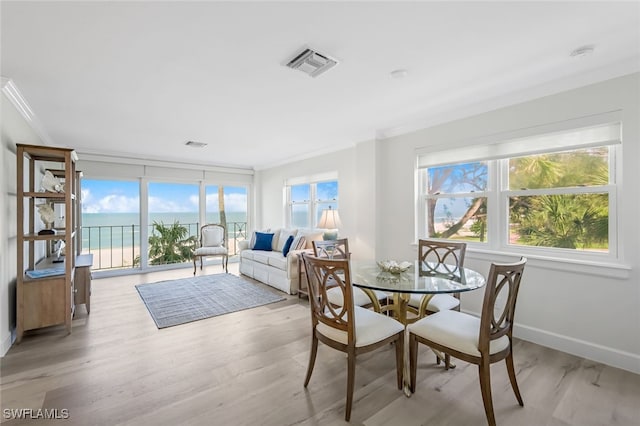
{"points": [[170, 244], [575, 218]]}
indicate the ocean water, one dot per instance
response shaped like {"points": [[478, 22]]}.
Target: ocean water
{"points": [[121, 230]]}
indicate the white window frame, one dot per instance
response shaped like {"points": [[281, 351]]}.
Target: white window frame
{"points": [[498, 194], [291, 203], [313, 202]]}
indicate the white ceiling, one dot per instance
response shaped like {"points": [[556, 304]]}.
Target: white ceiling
{"points": [[140, 79]]}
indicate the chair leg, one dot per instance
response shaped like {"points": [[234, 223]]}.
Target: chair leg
{"points": [[447, 361], [226, 264], [400, 359], [194, 264], [351, 379], [312, 358], [485, 387], [512, 378], [413, 360], [201, 263]]}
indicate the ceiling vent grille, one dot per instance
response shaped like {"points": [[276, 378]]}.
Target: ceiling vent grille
{"points": [[194, 144], [312, 62]]}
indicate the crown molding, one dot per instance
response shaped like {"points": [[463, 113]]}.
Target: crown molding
{"points": [[11, 91]]}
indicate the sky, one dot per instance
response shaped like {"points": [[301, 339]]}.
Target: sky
{"points": [[324, 191], [103, 196]]}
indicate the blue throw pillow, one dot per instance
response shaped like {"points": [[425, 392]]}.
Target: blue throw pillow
{"points": [[263, 241], [287, 246]]}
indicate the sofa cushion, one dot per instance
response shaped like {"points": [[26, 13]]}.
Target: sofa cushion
{"points": [[287, 246], [278, 261], [247, 254], [299, 243], [263, 241], [261, 256], [281, 239], [311, 235], [252, 242]]}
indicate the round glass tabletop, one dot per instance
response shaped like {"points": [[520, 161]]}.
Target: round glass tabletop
{"points": [[421, 278]]}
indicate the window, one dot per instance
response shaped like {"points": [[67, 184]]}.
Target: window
{"points": [[228, 205], [456, 201], [111, 222], [173, 222], [307, 200], [560, 200], [299, 205], [326, 197], [555, 201]]}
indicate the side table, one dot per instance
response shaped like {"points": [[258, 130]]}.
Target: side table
{"points": [[83, 280], [303, 282]]}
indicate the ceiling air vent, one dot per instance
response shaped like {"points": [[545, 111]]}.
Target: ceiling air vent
{"points": [[311, 62], [194, 144]]}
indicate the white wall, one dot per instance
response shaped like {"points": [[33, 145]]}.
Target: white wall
{"points": [[590, 311], [579, 310], [356, 192], [15, 129]]}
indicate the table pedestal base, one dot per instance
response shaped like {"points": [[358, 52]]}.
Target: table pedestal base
{"points": [[399, 310]]}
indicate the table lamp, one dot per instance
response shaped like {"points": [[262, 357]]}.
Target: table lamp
{"points": [[330, 222]]}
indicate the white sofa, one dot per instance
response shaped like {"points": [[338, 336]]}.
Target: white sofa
{"points": [[271, 267]]}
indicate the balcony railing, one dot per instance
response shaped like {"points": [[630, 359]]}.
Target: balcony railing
{"points": [[118, 246]]}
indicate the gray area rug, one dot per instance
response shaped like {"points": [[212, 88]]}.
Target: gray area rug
{"points": [[191, 299]]}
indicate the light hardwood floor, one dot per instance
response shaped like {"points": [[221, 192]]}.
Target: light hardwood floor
{"points": [[248, 367]]}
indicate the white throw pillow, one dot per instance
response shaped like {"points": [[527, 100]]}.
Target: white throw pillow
{"points": [[283, 237], [311, 235], [299, 243]]}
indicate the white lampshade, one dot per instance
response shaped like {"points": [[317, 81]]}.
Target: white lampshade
{"points": [[330, 219]]}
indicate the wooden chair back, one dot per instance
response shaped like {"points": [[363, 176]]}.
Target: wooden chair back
{"points": [[332, 249], [443, 252], [325, 274], [449, 256], [499, 305]]}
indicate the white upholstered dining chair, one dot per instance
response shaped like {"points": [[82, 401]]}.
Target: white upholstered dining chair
{"points": [[347, 328], [481, 341], [450, 254], [339, 249]]}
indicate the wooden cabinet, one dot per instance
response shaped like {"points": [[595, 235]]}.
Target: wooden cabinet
{"points": [[45, 289], [82, 281]]}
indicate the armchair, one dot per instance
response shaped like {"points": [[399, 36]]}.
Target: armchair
{"points": [[212, 243]]}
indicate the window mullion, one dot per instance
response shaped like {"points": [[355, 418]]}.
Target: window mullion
{"points": [[496, 209], [312, 205], [460, 195], [560, 191]]}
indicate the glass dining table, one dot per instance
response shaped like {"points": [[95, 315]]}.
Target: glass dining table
{"points": [[423, 278]]}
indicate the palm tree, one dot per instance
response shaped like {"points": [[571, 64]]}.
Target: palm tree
{"points": [[564, 221], [223, 214], [170, 244]]}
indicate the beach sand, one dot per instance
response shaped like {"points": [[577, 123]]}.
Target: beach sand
{"points": [[119, 257]]}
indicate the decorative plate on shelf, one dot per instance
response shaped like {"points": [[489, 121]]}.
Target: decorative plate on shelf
{"points": [[394, 267]]}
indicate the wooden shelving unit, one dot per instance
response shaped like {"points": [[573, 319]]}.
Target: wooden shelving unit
{"points": [[46, 301]]}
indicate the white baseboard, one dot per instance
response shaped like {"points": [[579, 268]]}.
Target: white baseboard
{"points": [[609, 356], [592, 351], [6, 345]]}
